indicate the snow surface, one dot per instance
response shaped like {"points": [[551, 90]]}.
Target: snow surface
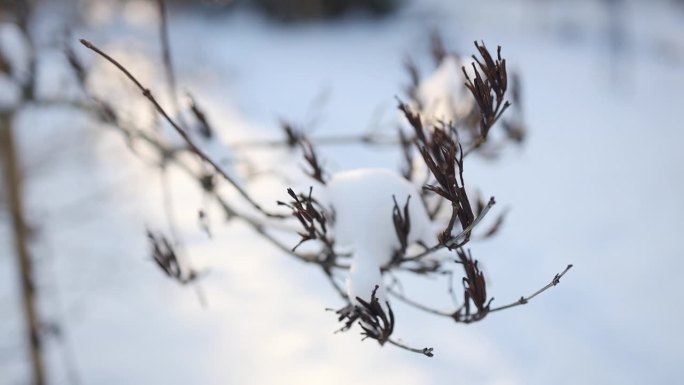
{"points": [[598, 184]]}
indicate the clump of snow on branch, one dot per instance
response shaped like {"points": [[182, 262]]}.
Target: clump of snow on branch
{"points": [[363, 201]]}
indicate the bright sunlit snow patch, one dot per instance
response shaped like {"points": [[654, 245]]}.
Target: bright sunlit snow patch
{"points": [[443, 94], [365, 275]]}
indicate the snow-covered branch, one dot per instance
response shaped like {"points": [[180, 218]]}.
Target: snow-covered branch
{"points": [[363, 224]]}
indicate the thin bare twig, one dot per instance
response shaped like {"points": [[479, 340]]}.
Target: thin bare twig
{"points": [[524, 300], [101, 111], [167, 197], [425, 351], [193, 147], [455, 315], [166, 57]]}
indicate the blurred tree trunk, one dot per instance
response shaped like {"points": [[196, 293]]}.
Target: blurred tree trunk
{"points": [[13, 187]]}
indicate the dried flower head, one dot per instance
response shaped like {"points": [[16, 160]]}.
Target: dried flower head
{"points": [[311, 215], [488, 87], [376, 323]]}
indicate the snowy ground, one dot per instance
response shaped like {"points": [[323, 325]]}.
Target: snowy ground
{"points": [[598, 184]]}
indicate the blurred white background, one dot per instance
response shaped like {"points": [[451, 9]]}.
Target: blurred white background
{"points": [[598, 183]]}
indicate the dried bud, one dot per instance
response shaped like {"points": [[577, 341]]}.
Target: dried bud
{"points": [[204, 128], [376, 323], [166, 258], [316, 169], [488, 86], [311, 215]]}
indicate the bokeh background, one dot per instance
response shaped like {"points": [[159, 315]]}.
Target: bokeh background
{"points": [[598, 183]]}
